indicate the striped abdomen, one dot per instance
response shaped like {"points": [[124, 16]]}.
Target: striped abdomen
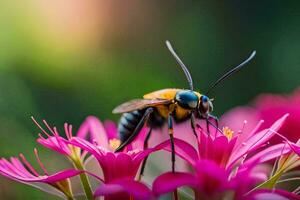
{"points": [[128, 122]]}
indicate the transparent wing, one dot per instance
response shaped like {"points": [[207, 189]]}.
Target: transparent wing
{"points": [[137, 104]]}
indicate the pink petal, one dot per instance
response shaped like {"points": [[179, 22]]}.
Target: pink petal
{"points": [[256, 140], [295, 148], [97, 132], [211, 176], [275, 194], [182, 149], [111, 129], [135, 189], [55, 143], [170, 181], [124, 166], [269, 153], [270, 107], [235, 120], [139, 157], [87, 146], [219, 150], [45, 179], [62, 175]]}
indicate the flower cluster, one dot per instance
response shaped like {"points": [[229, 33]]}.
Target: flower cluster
{"points": [[221, 164]]}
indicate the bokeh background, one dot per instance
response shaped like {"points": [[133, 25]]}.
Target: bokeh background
{"points": [[65, 60]]}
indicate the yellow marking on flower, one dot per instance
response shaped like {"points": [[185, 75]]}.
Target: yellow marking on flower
{"points": [[228, 132], [114, 143]]}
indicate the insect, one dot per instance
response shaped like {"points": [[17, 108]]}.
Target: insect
{"points": [[165, 106]]}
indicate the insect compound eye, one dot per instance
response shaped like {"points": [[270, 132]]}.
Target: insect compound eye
{"points": [[205, 105], [204, 99], [187, 99]]}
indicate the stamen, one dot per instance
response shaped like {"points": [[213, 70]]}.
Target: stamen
{"points": [[257, 127], [114, 143], [277, 161], [238, 165], [258, 141], [67, 130], [50, 140], [40, 136], [244, 125], [70, 130], [39, 126], [28, 165], [47, 125], [297, 190], [228, 132], [56, 135], [284, 139], [55, 131], [281, 136], [39, 161]]}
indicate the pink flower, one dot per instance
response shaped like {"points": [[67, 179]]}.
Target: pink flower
{"points": [[22, 171], [269, 107], [208, 181], [222, 162], [225, 148], [119, 169]]}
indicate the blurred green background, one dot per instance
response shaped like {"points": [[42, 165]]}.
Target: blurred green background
{"points": [[65, 60]]}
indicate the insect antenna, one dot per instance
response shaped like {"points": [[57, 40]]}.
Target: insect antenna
{"points": [[183, 67], [231, 72]]}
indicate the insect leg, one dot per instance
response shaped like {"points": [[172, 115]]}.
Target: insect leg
{"points": [[215, 118], [216, 121], [170, 128], [145, 147], [193, 124], [208, 122], [207, 125], [136, 130]]}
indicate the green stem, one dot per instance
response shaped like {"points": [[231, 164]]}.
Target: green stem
{"points": [[84, 181], [71, 198]]}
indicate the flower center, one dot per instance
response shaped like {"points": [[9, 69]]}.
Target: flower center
{"points": [[114, 143], [228, 132]]}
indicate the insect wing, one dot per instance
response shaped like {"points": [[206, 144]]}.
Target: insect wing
{"points": [[168, 93], [137, 104]]}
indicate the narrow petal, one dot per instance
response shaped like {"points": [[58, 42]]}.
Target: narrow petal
{"points": [[87, 146], [273, 194], [211, 176], [55, 143], [94, 127], [295, 148], [170, 181], [44, 179], [235, 118], [133, 188], [111, 130], [182, 149], [270, 153], [62, 175], [256, 140]]}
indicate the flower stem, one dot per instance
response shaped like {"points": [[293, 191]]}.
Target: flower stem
{"points": [[70, 198], [84, 181]]}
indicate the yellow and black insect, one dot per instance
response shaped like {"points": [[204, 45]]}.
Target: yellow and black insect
{"points": [[166, 105]]}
